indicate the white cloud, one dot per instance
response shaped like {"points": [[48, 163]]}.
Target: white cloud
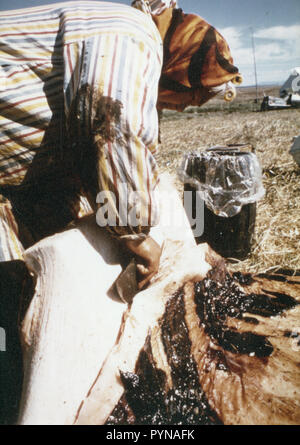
{"points": [[276, 51], [233, 35], [291, 32]]}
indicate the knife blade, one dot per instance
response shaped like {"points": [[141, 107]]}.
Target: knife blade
{"points": [[126, 284]]}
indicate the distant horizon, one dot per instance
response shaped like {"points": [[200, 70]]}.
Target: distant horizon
{"points": [[261, 84]]}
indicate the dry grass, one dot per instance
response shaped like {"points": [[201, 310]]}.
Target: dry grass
{"points": [[277, 234]]}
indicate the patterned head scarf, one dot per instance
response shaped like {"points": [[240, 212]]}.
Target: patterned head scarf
{"points": [[155, 7], [195, 53]]}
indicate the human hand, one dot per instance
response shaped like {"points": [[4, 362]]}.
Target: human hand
{"points": [[147, 253]]}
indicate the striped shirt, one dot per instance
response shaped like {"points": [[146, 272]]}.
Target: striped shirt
{"points": [[68, 60]]}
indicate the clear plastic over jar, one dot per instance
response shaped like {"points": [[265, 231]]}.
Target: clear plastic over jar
{"points": [[226, 178]]}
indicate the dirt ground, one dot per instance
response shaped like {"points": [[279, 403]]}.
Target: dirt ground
{"points": [[277, 232]]}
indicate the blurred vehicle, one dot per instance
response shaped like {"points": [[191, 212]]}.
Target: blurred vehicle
{"points": [[289, 94], [274, 103]]}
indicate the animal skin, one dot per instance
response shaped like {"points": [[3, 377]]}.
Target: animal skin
{"points": [[200, 345]]}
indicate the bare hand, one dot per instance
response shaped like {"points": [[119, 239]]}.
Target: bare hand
{"points": [[147, 253]]}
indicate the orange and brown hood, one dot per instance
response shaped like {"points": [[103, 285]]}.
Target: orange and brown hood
{"points": [[195, 53]]}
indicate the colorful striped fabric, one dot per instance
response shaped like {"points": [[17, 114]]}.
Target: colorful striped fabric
{"points": [[63, 68], [155, 7], [10, 246]]}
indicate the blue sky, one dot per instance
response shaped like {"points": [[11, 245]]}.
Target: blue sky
{"points": [[275, 25]]}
